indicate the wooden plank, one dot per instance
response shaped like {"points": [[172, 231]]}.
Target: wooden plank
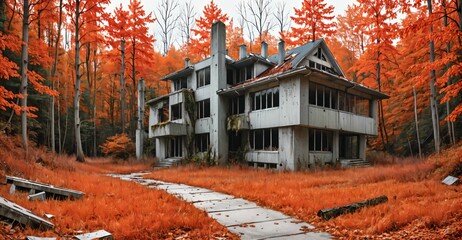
{"points": [[38, 196], [337, 211], [50, 190], [39, 238], [19, 214], [101, 234], [450, 180]]}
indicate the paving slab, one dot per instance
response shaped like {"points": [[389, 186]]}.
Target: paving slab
{"points": [[245, 216], [200, 197], [268, 229], [225, 205], [191, 190], [242, 217]]}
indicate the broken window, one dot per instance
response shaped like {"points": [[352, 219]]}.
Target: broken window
{"points": [[176, 111], [237, 105], [264, 139], [249, 72], [363, 106], [203, 77], [320, 140], [163, 114], [202, 142], [265, 99], [203, 108]]}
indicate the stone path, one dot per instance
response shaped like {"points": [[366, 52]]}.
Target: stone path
{"points": [[242, 217]]}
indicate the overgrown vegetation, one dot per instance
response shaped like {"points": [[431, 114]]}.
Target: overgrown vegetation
{"points": [[420, 206], [126, 209], [119, 146]]}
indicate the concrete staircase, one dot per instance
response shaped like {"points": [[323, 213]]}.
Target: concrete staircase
{"points": [[354, 163], [168, 162]]}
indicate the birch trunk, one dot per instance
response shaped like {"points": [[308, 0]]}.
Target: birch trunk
{"points": [[433, 103], [78, 140], [24, 63]]}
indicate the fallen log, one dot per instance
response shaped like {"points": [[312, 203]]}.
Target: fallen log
{"points": [[329, 213]]}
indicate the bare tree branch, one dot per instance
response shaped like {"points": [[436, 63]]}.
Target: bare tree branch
{"points": [[166, 18]]}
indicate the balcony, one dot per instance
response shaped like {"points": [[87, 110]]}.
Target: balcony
{"points": [[168, 129], [237, 122]]}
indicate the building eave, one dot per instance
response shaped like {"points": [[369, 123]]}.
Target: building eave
{"points": [[178, 74]]}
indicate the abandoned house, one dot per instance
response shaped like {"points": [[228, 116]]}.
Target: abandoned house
{"points": [[293, 110]]}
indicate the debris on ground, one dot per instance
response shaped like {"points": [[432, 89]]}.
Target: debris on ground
{"points": [[329, 213], [18, 214], [50, 190]]}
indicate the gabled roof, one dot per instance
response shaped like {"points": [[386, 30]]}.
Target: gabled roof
{"points": [[301, 52], [252, 58]]}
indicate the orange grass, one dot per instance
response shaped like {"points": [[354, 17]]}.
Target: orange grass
{"points": [[126, 209], [418, 202]]}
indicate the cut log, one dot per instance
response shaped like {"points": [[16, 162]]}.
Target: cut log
{"points": [[21, 215], [39, 238], [101, 234], [329, 213], [50, 190]]}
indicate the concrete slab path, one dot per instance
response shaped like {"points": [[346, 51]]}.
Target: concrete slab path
{"points": [[244, 218]]}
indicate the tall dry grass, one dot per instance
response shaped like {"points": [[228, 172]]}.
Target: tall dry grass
{"points": [[416, 195], [126, 209]]}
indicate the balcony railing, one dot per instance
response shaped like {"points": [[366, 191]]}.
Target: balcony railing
{"points": [[167, 129]]}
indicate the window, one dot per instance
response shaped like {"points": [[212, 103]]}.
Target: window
{"points": [[202, 142], [363, 106], [237, 105], [180, 83], [249, 72], [349, 146], [264, 139], [163, 114], [203, 108], [176, 111], [322, 96], [234, 141], [203, 77], [176, 147], [320, 140], [268, 98], [229, 76], [320, 54]]}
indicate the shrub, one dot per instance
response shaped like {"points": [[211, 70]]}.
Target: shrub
{"points": [[119, 146]]}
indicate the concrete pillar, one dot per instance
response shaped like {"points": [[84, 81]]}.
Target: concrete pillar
{"points": [[140, 131], [264, 49], [218, 106], [374, 113], [161, 148], [362, 146], [281, 51], [242, 51], [335, 146]]}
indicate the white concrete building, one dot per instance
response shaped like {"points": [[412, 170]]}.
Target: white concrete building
{"points": [[293, 110]]}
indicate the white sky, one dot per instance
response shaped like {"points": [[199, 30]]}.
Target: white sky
{"points": [[228, 6]]}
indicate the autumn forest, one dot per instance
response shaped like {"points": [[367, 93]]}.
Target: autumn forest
{"points": [[69, 69]]}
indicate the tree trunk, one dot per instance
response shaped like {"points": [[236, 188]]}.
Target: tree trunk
{"points": [[416, 122], [451, 133], [95, 64], [24, 63], [433, 103], [78, 140], [53, 74], [122, 87]]}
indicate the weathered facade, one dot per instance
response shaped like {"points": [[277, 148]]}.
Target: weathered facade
{"points": [[293, 110]]}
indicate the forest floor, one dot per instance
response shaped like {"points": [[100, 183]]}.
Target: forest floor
{"points": [[419, 205], [125, 209]]}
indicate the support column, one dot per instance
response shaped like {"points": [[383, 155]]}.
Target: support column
{"points": [[218, 106], [335, 147], [362, 146]]}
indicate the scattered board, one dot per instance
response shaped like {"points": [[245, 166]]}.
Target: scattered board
{"points": [[19, 214], [50, 190]]}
